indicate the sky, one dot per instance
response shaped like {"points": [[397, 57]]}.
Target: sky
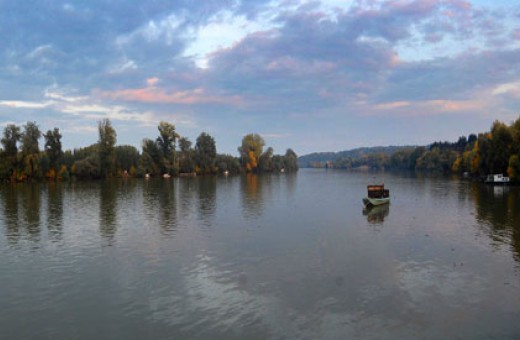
{"points": [[308, 75]]}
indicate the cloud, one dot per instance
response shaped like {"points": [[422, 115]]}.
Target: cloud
{"points": [[392, 105], [25, 104], [511, 89], [252, 64], [154, 95]]}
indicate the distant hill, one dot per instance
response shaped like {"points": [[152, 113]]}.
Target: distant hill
{"points": [[307, 161]]}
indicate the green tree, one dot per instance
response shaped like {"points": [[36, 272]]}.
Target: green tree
{"points": [[167, 143], [53, 147], [10, 140], [151, 158], [401, 159], [205, 153], [106, 147], [501, 143], [227, 163], [11, 137], [186, 163], [291, 161], [265, 162], [30, 138], [127, 156], [88, 168], [30, 149], [514, 168]]}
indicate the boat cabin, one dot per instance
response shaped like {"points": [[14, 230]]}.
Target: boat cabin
{"points": [[378, 191]]}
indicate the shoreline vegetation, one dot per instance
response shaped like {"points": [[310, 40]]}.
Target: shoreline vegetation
{"points": [[494, 152], [168, 155]]}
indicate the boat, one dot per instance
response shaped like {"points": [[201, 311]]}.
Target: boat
{"points": [[497, 179], [377, 195]]}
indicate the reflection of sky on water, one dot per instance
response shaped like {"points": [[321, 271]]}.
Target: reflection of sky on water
{"points": [[285, 256]]}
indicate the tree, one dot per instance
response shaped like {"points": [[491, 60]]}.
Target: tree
{"points": [[205, 153], [501, 142], [265, 162], [10, 139], [514, 168], [151, 157], [250, 150], [228, 163], [12, 136], [106, 147], [126, 157], [291, 161], [186, 163], [53, 147], [30, 148], [166, 141], [30, 138]]}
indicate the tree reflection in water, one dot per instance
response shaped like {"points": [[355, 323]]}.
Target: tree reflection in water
{"points": [[55, 210], [31, 203], [207, 192], [251, 189], [108, 210], [500, 207], [9, 196]]}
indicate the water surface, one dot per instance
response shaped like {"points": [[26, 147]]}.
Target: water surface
{"points": [[281, 256]]}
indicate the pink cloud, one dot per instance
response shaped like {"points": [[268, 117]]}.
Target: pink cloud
{"points": [[429, 107], [392, 105], [453, 106], [152, 81], [152, 94]]}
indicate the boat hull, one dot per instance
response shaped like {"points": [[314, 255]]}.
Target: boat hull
{"points": [[375, 201]]}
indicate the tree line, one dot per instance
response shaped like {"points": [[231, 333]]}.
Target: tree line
{"points": [[169, 154], [492, 152]]}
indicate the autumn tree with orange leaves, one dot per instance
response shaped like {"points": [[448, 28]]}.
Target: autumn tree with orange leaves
{"points": [[250, 151]]}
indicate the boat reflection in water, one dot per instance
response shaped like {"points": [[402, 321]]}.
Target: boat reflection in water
{"points": [[376, 214]]}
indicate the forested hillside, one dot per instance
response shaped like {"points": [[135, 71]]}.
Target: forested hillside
{"points": [[496, 151]]}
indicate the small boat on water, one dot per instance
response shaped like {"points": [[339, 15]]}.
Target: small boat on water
{"points": [[377, 195], [497, 179]]}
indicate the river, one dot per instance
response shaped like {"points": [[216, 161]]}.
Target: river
{"points": [[281, 257]]}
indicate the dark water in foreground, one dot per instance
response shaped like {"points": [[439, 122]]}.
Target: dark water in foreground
{"points": [[283, 256]]}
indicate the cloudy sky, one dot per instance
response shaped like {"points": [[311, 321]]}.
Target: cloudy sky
{"points": [[310, 75]]}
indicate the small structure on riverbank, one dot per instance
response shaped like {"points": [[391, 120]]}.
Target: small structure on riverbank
{"points": [[496, 179]]}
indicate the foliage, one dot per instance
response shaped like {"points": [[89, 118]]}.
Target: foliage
{"points": [[205, 153], [250, 150], [166, 142], [514, 167], [290, 161], [53, 147], [30, 138], [21, 159], [88, 168], [227, 163], [186, 157], [106, 148], [151, 158], [255, 161], [126, 158], [11, 137]]}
